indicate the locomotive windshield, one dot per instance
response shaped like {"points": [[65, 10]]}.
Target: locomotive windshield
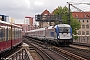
{"points": [[64, 29]]}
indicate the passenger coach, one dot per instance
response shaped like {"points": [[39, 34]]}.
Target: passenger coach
{"points": [[60, 34], [10, 36]]}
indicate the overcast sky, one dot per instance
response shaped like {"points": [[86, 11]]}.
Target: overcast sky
{"points": [[18, 9]]}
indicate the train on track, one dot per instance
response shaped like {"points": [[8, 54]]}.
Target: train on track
{"points": [[10, 36], [60, 34]]}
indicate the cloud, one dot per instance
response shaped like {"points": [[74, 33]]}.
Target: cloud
{"points": [[18, 9], [38, 3], [15, 3], [14, 7]]}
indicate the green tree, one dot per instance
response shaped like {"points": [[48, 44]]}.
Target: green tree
{"points": [[63, 12]]}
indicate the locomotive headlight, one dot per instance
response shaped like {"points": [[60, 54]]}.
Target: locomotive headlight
{"points": [[58, 36]]}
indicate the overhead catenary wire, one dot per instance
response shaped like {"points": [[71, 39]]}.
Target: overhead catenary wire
{"points": [[79, 9]]}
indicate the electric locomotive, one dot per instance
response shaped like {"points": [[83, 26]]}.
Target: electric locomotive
{"points": [[64, 34], [60, 34]]}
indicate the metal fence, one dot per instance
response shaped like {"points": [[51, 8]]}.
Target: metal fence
{"points": [[19, 55]]}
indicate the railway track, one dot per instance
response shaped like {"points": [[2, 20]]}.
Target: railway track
{"points": [[69, 52], [80, 52], [45, 53]]}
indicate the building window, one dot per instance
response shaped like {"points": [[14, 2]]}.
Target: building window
{"points": [[87, 20], [87, 32], [83, 33], [83, 26], [87, 38], [87, 26], [83, 38], [83, 20], [79, 32], [76, 16]]}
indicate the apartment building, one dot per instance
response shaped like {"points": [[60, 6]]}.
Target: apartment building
{"points": [[84, 31]]}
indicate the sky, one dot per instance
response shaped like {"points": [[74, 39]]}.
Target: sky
{"points": [[18, 9]]}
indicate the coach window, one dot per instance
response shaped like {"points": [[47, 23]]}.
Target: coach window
{"points": [[3, 35], [7, 33], [19, 33], [13, 33], [0, 34], [87, 26], [16, 33], [83, 26]]}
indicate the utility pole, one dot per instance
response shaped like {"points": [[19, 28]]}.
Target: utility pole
{"points": [[69, 13]]}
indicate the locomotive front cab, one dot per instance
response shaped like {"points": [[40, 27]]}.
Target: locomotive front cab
{"points": [[64, 33]]}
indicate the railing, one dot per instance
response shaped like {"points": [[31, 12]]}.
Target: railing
{"points": [[19, 55]]}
